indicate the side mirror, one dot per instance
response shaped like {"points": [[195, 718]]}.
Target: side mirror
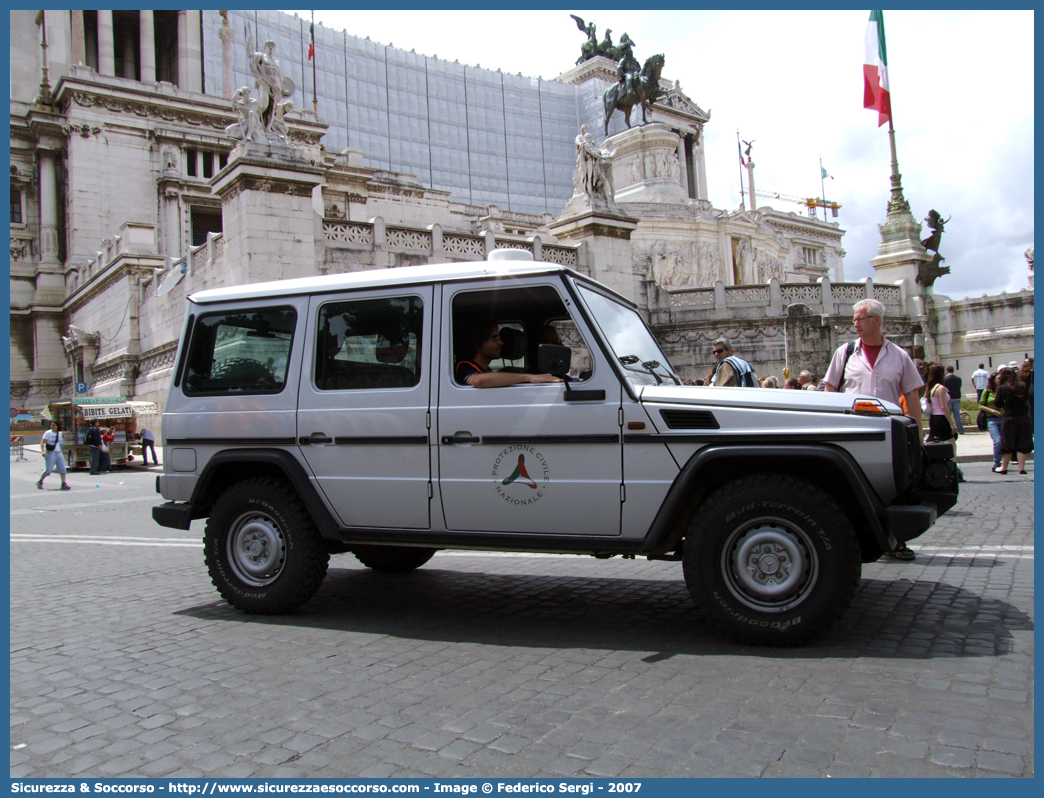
{"points": [[554, 359]]}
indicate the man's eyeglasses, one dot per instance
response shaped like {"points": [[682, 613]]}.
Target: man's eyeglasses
{"points": [[857, 319], [719, 351]]}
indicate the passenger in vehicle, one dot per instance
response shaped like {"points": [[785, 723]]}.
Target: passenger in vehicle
{"points": [[481, 345]]}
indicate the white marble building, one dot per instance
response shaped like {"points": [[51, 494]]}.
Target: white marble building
{"points": [[124, 199]]}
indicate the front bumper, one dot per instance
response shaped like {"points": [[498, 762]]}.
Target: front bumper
{"points": [[173, 515]]}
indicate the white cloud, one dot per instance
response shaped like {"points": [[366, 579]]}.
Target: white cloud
{"points": [[962, 96]]}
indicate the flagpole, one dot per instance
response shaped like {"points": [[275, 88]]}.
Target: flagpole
{"points": [[739, 150], [822, 186], [315, 101]]}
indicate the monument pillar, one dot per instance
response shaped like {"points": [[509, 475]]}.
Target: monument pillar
{"points": [[608, 238], [267, 218], [900, 255], [225, 34], [646, 169]]}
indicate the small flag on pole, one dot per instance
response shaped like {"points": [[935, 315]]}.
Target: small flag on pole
{"points": [[311, 41], [826, 174], [875, 70]]}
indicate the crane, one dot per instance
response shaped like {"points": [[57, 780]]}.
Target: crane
{"points": [[809, 202]]}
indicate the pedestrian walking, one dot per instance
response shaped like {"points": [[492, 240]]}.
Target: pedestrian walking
{"points": [[953, 385], [979, 379], [148, 441], [994, 417], [874, 366], [51, 448], [1016, 427]]}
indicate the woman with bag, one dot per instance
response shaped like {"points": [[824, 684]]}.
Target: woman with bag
{"points": [[51, 449], [1016, 426], [937, 397], [988, 407]]}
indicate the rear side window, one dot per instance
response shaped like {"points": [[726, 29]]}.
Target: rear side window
{"points": [[243, 352], [369, 343]]}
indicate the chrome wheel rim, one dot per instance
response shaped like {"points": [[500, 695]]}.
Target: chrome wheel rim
{"points": [[769, 565], [256, 549]]}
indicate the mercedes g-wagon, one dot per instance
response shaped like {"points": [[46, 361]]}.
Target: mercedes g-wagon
{"points": [[324, 415]]}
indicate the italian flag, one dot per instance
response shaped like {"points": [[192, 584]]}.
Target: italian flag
{"points": [[875, 70]]}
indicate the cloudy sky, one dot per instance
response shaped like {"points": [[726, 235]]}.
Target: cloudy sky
{"points": [[962, 97]]}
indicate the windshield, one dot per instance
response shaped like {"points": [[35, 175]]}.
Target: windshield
{"points": [[630, 340]]}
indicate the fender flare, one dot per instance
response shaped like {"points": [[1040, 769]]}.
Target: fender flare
{"points": [[283, 461], [709, 460]]}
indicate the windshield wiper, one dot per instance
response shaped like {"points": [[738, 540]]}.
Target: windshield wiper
{"points": [[655, 364]]}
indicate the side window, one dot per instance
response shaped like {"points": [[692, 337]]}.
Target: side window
{"points": [[369, 343], [521, 319], [244, 352]]}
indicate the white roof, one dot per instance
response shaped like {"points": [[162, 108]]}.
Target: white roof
{"points": [[374, 278]]}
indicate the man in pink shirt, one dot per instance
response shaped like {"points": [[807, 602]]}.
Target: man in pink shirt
{"points": [[876, 367]]}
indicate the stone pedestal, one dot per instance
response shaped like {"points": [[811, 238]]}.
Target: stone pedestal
{"points": [[900, 254], [607, 236], [267, 218], [646, 168]]}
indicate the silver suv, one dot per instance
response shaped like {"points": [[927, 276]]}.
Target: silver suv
{"points": [[324, 415]]}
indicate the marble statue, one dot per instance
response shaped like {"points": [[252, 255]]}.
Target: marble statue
{"points": [[248, 128], [269, 82], [593, 177]]}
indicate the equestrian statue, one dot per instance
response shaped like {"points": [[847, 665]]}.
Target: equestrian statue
{"points": [[633, 89]]}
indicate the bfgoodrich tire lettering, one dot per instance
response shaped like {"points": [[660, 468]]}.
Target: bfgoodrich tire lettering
{"points": [[262, 549], [393, 559], [771, 560]]}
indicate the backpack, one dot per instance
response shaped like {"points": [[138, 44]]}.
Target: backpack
{"points": [[747, 377]]}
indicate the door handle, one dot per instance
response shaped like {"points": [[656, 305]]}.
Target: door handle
{"points": [[315, 437], [460, 437]]}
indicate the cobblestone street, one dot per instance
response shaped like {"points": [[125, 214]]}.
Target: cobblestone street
{"points": [[126, 662]]}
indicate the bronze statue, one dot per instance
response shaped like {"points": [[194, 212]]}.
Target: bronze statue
{"points": [[643, 91], [933, 269], [937, 225], [588, 49], [628, 68]]}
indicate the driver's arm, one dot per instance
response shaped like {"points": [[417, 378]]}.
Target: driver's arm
{"points": [[499, 379]]}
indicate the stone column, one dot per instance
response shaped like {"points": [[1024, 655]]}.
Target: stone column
{"points": [[106, 57], [701, 167], [227, 78], [78, 49], [189, 52], [50, 283], [147, 44], [683, 163], [129, 67]]}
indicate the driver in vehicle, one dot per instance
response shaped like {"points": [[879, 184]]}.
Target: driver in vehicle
{"points": [[484, 343]]}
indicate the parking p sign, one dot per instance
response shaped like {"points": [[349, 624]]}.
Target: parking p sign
{"points": [[81, 387]]}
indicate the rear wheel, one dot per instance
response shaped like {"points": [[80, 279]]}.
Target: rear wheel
{"points": [[771, 560], [392, 559], [262, 549]]}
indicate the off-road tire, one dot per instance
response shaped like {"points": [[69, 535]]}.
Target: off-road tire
{"points": [[393, 559], [800, 558], [262, 549]]}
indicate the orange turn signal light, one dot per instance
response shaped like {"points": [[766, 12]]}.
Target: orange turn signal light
{"points": [[867, 408]]}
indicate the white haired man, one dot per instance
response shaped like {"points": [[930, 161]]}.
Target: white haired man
{"points": [[875, 366]]}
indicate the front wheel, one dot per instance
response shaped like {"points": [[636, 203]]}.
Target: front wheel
{"points": [[771, 560], [262, 549]]}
